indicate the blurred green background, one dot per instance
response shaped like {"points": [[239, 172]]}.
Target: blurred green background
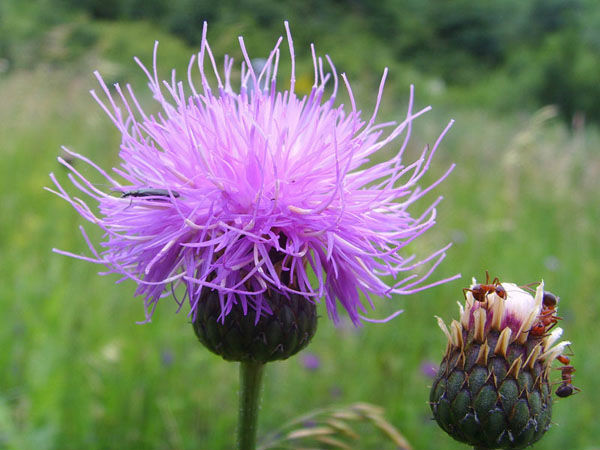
{"points": [[522, 80]]}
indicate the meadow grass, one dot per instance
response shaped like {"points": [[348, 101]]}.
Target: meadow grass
{"points": [[77, 372]]}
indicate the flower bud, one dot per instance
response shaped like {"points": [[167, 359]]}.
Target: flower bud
{"points": [[240, 337], [492, 389]]}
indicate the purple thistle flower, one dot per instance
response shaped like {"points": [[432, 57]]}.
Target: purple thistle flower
{"points": [[237, 191]]}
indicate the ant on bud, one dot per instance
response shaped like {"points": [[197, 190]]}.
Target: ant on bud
{"points": [[547, 318], [480, 291], [564, 358], [566, 388], [549, 300]]}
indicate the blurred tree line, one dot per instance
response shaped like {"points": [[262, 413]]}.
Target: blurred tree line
{"points": [[544, 51]]}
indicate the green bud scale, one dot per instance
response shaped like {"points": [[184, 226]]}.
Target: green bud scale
{"points": [[492, 389]]}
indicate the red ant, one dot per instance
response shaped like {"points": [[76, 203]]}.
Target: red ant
{"points": [[539, 329], [549, 300], [564, 359], [480, 291], [548, 315], [547, 318], [566, 388]]}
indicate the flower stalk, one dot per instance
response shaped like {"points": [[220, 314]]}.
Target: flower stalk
{"points": [[251, 375]]}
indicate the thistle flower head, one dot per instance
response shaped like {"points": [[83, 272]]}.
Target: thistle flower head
{"points": [[244, 192], [493, 389]]}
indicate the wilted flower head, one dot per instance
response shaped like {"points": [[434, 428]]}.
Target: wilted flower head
{"points": [[493, 386], [244, 192]]}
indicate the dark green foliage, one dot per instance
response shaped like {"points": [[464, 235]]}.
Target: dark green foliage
{"points": [[544, 52], [568, 75]]}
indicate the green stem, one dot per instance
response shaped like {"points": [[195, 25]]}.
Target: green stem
{"points": [[250, 382]]}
